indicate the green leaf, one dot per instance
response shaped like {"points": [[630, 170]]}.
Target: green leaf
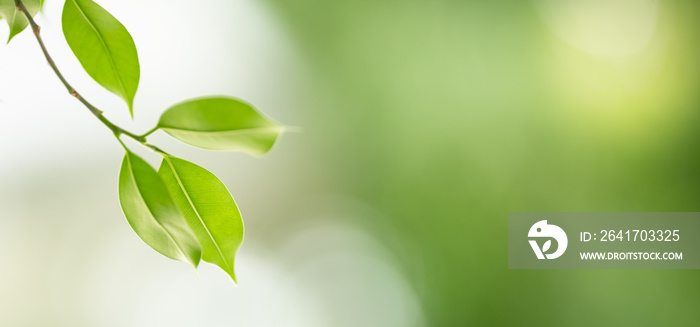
{"points": [[15, 19], [153, 214], [209, 208], [220, 123], [104, 48]]}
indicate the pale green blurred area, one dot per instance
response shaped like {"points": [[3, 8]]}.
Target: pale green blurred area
{"points": [[422, 124], [446, 115]]}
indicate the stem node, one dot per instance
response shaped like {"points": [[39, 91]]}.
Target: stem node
{"points": [[118, 131]]}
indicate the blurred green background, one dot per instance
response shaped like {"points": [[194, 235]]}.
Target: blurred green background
{"points": [[422, 124], [447, 115]]}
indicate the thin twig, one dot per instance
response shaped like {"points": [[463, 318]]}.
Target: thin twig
{"points": [[95, 111]]}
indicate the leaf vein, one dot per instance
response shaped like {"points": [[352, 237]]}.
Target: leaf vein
{"points": [[104, 45], [194, 209], [165, 230], [233, 131]]}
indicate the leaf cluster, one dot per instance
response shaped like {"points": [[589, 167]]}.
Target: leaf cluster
{"points": [[181, 210]]}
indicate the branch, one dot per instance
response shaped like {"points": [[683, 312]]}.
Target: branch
{"points": [[95, 111]]}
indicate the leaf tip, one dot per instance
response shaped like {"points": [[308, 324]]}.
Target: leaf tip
{"points": [[194, 267], [195, 258], [290, 129], [233, 276], [263, 150], [230, 272]]}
